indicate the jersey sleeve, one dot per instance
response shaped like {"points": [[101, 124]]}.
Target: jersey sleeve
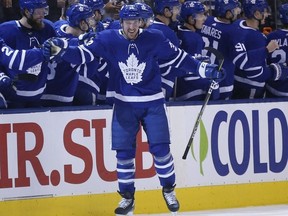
{"points": [[171, 56], [252, 61], [20, 60]]}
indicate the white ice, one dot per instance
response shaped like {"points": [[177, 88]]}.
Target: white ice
{"points": [[274, 210]]}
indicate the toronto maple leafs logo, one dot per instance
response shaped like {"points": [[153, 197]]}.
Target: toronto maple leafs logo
{"points": [[132, 71]]}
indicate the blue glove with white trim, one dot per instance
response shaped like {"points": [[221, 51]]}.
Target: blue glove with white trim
{"points": [[86, 38], [54, 48], [211, 71]]}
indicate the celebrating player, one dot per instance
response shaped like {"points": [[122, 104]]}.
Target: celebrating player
{"points": [[132, 55]]}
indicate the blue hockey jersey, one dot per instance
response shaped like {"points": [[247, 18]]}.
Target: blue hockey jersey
{"points": [[168, 75], [278, 88], [216, 34], [132, 76], [191, 87], [20, 60], [21, 38], [249, 55]]}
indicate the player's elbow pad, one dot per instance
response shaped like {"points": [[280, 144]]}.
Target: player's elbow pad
{"points": [[279, 71]]}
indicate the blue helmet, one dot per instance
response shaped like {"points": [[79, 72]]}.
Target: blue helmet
{"points": [[251, 6], [129, 12], [160, 5], [191, 8], [93, 4], [31, 5], [78, 12], [222, 6], [145, 10], [283, 13]]}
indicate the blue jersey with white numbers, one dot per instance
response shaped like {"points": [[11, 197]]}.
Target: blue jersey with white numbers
{"points": [[21, 38], [249, 55], [191, 87], [57, 93], [131, 63], [278, 88], [216, 34], [20, 60], [82, 78]]}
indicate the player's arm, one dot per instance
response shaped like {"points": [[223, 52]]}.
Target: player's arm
{"points": [[19, 60], [253, 62], [60, 48], [178, 58]]}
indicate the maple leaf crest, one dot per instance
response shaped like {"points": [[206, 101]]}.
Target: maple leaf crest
{"points": [[132, 71]]}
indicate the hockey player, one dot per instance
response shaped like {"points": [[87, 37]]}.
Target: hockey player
{"points": [[216, 33], [97, 7], [21, 60], [164, 11], [191, 87], [28, 32], [279, 88], [132, 55], [250, 51], [79, 17], [146, 14]]}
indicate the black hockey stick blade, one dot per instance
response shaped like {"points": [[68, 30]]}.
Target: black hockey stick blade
{"points": [[220, 58], [26, 77], [219, 55]]}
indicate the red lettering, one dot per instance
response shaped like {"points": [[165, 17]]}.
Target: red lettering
{"points": [[29, 155], [5, 181], [141, 148], [104, 174], [77, 150]]}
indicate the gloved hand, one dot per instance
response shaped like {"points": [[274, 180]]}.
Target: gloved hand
{"points": [[5, 81], [54, 48], [279, 70], [85, 38], [211, 71]]}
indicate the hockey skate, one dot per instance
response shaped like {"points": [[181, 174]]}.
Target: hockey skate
{"points": [[170, 199], [126, 205]]}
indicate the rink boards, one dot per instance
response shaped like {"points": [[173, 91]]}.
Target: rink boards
{"points": [[59, 162]]}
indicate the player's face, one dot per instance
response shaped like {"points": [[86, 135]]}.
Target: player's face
{"points": [[265, 14], [98, 15], [36, 18], [89, 23], [236, 13], [200, 19], [131, 28]]}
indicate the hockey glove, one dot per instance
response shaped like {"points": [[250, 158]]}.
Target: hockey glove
{"points": [[210, 71], [85, 38], [280, 71], [54, 48], [5, 81]]}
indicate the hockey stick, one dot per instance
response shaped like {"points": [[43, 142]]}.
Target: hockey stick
{"points": [[212, 86]]}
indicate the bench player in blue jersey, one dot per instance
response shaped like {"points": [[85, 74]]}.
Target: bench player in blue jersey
{"points": [[27, 33], [250, 52], [22, 61], [279, 88]]}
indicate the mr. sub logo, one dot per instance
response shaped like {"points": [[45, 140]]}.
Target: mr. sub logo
{"points": [[29, 156]]}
